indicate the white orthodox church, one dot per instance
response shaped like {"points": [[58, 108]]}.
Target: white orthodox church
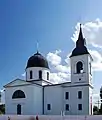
{"points": [[38, 96]]}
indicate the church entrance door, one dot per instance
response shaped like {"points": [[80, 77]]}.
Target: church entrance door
{"points": [[18, 109]]}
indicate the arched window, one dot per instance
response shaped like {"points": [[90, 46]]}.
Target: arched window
{"points": [[79, 67], [18, 94], [47, 75], [40, 74], [31, 75]]}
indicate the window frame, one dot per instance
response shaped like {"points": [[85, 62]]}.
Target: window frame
{"points": [[47, 75], [66, 95], [31, 74], [19, 109], [48, 106], [67, 107], [40, 74], [90, 68], [79, 106], [18, 94], [79, 94], [79, 67]]}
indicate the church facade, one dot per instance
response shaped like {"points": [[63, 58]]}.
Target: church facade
{"points": [[38, 96]]}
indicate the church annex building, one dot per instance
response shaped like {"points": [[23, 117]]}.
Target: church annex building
{"points": [[38, 96]]}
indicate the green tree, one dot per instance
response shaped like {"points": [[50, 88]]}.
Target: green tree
{"points": [[100, 110], [95, 110], [2, 109]]}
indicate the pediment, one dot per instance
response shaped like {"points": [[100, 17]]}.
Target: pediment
{"points": [[17, 82]]}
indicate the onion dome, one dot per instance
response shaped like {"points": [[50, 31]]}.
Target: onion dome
{"points": [[37, 60]]}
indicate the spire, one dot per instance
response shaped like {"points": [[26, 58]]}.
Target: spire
{"points": [[80, 34], [80, 48], [81, 41]]}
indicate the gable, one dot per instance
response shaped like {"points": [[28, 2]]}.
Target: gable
{"points": [[17, 82]]}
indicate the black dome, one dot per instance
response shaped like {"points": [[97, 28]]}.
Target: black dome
{"points": [[79, 51], [37, 60]]}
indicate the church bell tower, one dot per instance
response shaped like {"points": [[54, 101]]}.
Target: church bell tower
{"points": [[81, 73], [81, 62]]}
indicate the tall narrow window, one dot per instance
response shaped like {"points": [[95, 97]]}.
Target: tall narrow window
{"points": [[79, 94], [18, 109], [67, 107], [90, 68], [67, 95], [79, 106], [79, 67], [47, 75], [48, 107], [31, 75], [40, 74]]}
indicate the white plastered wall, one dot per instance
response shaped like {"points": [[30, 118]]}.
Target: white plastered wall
{"points": [[35, 71], [30, 105]]}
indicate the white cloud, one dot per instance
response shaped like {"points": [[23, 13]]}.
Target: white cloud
{"points": [[55, 78], [2, 96], [2, 90], [54, 58], [67, 60], [95, 99], [63, 68], [97, 60], [64, 75], [57, 52], [92, 32], [96, 96], [59, 77], [24, 74], [62, 72]]}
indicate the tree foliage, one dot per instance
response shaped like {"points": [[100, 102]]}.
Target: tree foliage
{"points": [[95, 110], [100, 110], [2, 109]]}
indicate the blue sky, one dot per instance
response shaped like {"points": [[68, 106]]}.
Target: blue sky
{"points": [[51, 22]]}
